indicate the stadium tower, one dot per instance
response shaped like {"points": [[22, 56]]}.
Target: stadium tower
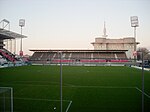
{"points": [[104, 31], [125, 43]]}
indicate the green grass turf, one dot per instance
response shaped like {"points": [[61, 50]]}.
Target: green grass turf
{"points": [[91, 89]]}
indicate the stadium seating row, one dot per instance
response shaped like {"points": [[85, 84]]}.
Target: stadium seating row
{"points": [[9, 59], [84, 57], [77, 55], [8, 56]]}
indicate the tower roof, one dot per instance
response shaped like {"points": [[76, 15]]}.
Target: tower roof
{"points": [[104, 31]]}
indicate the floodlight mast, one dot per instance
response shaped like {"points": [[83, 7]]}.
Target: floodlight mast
{"points": [[21, 24], [5, 23], [134, 23]]}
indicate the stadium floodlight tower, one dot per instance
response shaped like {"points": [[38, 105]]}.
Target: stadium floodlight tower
{"points": [[134, 24], [21, 24], [5, 23]]}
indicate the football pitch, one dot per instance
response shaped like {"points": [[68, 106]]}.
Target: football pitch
{"points": [[85, 88]]}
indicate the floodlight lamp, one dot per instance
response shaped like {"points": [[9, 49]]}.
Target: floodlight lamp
{"points": [[134, 21], [22, 22], [4, 20]]}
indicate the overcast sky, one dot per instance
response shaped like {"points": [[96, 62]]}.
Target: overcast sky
{"points": [[74, 24]]}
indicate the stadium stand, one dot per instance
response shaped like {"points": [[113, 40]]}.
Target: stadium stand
{"points": [[82, 56], [2, 60], [8, 57]]}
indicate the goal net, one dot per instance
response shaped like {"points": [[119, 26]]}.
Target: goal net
{"points": [[6, 99]]}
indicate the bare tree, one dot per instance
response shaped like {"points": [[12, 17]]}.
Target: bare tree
{"points": [[145, 52]]}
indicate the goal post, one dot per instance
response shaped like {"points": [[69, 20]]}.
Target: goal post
{"points": [[6, 99]]}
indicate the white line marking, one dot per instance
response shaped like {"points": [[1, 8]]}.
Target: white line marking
{"points": [[39, 99], [70, 102], [46, 83], [142, 92], [113, 87], [69, 106]]}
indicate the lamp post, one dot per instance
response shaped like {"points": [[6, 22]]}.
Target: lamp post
{"points": [[21, 24], [134, 24], [143, 79], [60, 81], [142, 82]]}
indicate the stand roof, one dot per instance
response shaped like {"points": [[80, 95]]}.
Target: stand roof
{"points": [[6, 34]]}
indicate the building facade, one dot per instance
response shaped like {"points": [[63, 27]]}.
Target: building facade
{"points": [[103, 43]]}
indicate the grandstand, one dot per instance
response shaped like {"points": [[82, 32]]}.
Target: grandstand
{"points": [[8, 56], [81, 56]]}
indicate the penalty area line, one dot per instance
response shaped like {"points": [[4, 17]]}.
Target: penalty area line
{"points": [[69, 106], [37, 99], [103, 87], [142, 92]]}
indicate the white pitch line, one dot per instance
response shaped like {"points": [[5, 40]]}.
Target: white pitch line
{"points": [[69, 106], [50, 84], [70, 102], [142, 92], [39, 99], [126, 87], [71, 85], [80, 86]]}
